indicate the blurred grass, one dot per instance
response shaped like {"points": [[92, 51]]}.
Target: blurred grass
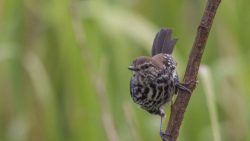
{"points": [[63, 68]]}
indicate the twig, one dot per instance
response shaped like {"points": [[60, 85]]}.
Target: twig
{"points": [[190, 78]]}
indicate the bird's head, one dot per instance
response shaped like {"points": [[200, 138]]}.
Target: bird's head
{"points": [[145, 67]]}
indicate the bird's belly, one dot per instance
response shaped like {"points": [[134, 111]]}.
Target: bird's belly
{"points": [[152, 95]]}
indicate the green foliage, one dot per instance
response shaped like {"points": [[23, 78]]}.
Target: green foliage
{"points": [[64, 77]]}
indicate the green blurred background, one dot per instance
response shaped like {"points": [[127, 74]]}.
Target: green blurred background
{"points": [[64, 76]]}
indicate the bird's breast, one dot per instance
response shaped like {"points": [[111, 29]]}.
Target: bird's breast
{"points": [[152, 94]]}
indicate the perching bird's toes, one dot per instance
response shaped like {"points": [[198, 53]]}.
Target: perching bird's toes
{"points": [[184, 86], [164, 136]]}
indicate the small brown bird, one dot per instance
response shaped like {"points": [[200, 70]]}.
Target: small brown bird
{"points": [[155, 80]]}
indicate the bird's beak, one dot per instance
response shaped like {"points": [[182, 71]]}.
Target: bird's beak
{"points": [[132, 68]]}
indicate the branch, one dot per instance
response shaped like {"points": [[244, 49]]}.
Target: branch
{"points": [[180, 105]]}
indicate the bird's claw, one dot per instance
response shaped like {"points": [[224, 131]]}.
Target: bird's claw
{"points": [[164, 136], [184, 86], [192, 82]]}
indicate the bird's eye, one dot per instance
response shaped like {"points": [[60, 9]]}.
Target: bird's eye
{"points": [[145, 66]]}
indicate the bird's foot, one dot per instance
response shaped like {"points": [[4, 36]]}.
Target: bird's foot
{"points": [[184, 86], [164, 136]]}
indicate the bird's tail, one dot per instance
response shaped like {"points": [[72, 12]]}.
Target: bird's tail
{"points": [[163, 42]]}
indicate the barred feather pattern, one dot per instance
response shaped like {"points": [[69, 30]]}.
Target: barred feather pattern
{"points": [[152, 91]]}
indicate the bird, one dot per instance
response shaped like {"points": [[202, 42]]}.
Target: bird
{"points": [[154, 78]]}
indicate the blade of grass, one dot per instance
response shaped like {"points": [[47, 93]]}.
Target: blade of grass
{"points": [[206, 78]]}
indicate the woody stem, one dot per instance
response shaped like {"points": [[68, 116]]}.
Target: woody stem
{"points": [[181, 103]]}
